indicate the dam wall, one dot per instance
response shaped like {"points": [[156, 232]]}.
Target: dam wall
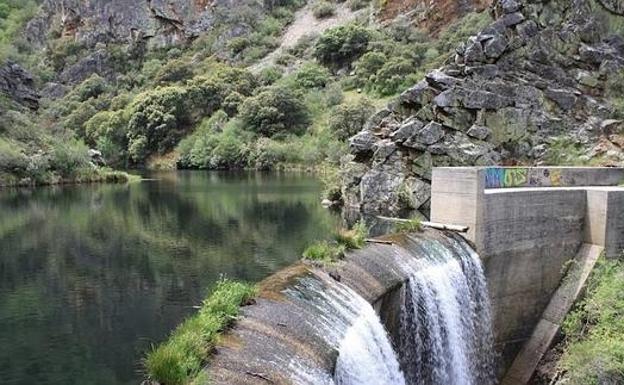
{"points": [[526, 224]]}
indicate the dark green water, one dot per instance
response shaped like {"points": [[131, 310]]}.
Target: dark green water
{"points": [[90, 276]]}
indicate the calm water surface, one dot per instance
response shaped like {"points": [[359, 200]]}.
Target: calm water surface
{"points": [[90, 276]]}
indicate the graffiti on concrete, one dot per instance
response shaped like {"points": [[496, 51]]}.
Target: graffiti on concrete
{"points": [[498, 177], [501, 177]]}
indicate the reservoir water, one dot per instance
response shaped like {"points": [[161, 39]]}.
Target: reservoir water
{"points": [[91, 275]]}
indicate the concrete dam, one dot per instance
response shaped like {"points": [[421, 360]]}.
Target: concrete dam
{"points": [[436, 306]]}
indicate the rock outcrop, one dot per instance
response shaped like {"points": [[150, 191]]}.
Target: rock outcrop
{"points": [[537, 72], [18, 84]]}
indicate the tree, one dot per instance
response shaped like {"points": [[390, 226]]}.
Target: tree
{"points": [[275, 110], [347, 119], [341, 45]]}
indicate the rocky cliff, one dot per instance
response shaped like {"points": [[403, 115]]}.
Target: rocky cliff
{"points": [[159, 22], [18, 85], [531, 84]]}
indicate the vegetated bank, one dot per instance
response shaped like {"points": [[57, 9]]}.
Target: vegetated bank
{"points": [[591, 351]]}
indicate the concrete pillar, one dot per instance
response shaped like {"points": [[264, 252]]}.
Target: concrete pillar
{"points": [[457, 198]]}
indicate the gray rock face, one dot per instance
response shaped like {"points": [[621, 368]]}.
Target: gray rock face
{"points": [[510, 89], [18, 84], [159, 22]]}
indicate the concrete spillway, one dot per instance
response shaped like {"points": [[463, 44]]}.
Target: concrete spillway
{"points": [[311, 328]]}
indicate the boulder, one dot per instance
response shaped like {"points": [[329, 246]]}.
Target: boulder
{"points": [[509, 6], [428, 135], [441, 81], [479, 132], [564, 99], [495, 46], [474, 53], [362, 143], [407, 130]]}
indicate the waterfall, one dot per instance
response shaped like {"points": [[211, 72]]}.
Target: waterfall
{"points": [[446, 334], [349, 324]]}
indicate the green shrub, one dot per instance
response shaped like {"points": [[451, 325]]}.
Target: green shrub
{"points": [[347, 119], [275, 110], [12, 160], [69, 156], [324, 252], [341, 45], [369, 64], [238, 44], [305, 43], [270, 75], [180, 358], [63, 52], [77, 119], [330, 179], [394, 76], [267, 153], [355, 5], [216, 144], [564, 151], [174, 71], [232, 102], [92, 87], [312, 75], [323, 9]]}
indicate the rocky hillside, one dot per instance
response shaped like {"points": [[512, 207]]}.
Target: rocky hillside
{"points": [[211, 85], [541, 84]]}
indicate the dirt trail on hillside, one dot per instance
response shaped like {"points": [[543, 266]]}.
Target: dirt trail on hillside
{"points": [[305, 23]]}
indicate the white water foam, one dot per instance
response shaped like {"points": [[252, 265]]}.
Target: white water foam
{"points": [[349, 324], [445, 319]]}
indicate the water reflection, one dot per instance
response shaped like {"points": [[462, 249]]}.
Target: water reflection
{"points": [[91, 275]]}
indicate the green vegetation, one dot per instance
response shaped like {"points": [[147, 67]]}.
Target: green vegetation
{"points": [[275, 111], [324, 252], [348, 118], [179, 359], [344, 239], [323, 9], [341, 45], [355, 238], [615, 91], [408, 226], [594, 331]]}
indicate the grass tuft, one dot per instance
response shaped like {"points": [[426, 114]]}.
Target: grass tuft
{"points": [[324, 252], [179, 360], [354, 238], [409, 226]]}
